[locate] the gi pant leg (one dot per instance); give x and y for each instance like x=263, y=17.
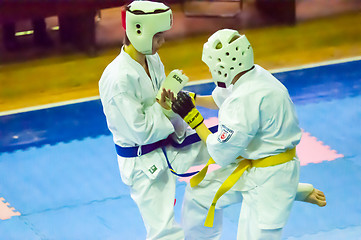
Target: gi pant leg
x=152, y=187
x=266, y=208
x=267, y=195
x=155, y=200
x=197, y=201
x=154, y=195
x=248, y=225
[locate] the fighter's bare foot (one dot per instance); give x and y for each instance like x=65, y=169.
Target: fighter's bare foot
x=316, y=197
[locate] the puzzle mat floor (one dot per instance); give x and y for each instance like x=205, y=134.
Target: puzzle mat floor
x=60, y=179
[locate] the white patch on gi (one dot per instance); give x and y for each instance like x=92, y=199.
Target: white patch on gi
x=225, y=134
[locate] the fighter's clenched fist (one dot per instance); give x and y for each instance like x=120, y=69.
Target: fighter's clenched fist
x=184, y=106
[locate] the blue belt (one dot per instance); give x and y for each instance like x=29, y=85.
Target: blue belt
x=129, y=152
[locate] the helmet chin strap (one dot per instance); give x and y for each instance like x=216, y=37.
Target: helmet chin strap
x=235, y=79
x=239, y=75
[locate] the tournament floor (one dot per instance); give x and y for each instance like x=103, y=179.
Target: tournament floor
x=60, y=179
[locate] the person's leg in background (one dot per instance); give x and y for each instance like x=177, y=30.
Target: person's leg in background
x=41, y=36
x=9, y=38
x=78, y=30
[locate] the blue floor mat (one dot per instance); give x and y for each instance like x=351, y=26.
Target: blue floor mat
x=66, y=183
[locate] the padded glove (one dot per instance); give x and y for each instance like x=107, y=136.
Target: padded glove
x=193, y=95
x=184, y=106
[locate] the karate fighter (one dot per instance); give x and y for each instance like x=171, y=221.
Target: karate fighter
x=255, y=146
x=140, y=123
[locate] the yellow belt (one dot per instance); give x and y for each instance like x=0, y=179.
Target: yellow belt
x=236, y=174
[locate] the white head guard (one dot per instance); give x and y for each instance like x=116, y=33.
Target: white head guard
x=227, y=53
x=144, y=19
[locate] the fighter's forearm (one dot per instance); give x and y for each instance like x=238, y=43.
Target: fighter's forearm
x=203, y=132
x=206, y=101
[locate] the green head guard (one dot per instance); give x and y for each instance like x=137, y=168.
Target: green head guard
x=227, y=53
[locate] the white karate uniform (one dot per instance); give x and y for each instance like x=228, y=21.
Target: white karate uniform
x=256, y=119
x=134, y=118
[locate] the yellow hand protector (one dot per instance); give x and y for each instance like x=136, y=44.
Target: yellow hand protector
x=193, y=96
x=194, y=118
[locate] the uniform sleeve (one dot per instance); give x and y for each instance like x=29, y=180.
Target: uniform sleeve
x=141, y=125
x=180, y=126
x=238, y=124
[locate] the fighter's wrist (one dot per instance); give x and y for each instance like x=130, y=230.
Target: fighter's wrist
x=168, y=113
x=194, y=118
x=193, y=95
x=200, y=123
x=164, y=104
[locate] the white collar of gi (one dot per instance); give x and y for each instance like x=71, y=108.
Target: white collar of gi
x=131, y=59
